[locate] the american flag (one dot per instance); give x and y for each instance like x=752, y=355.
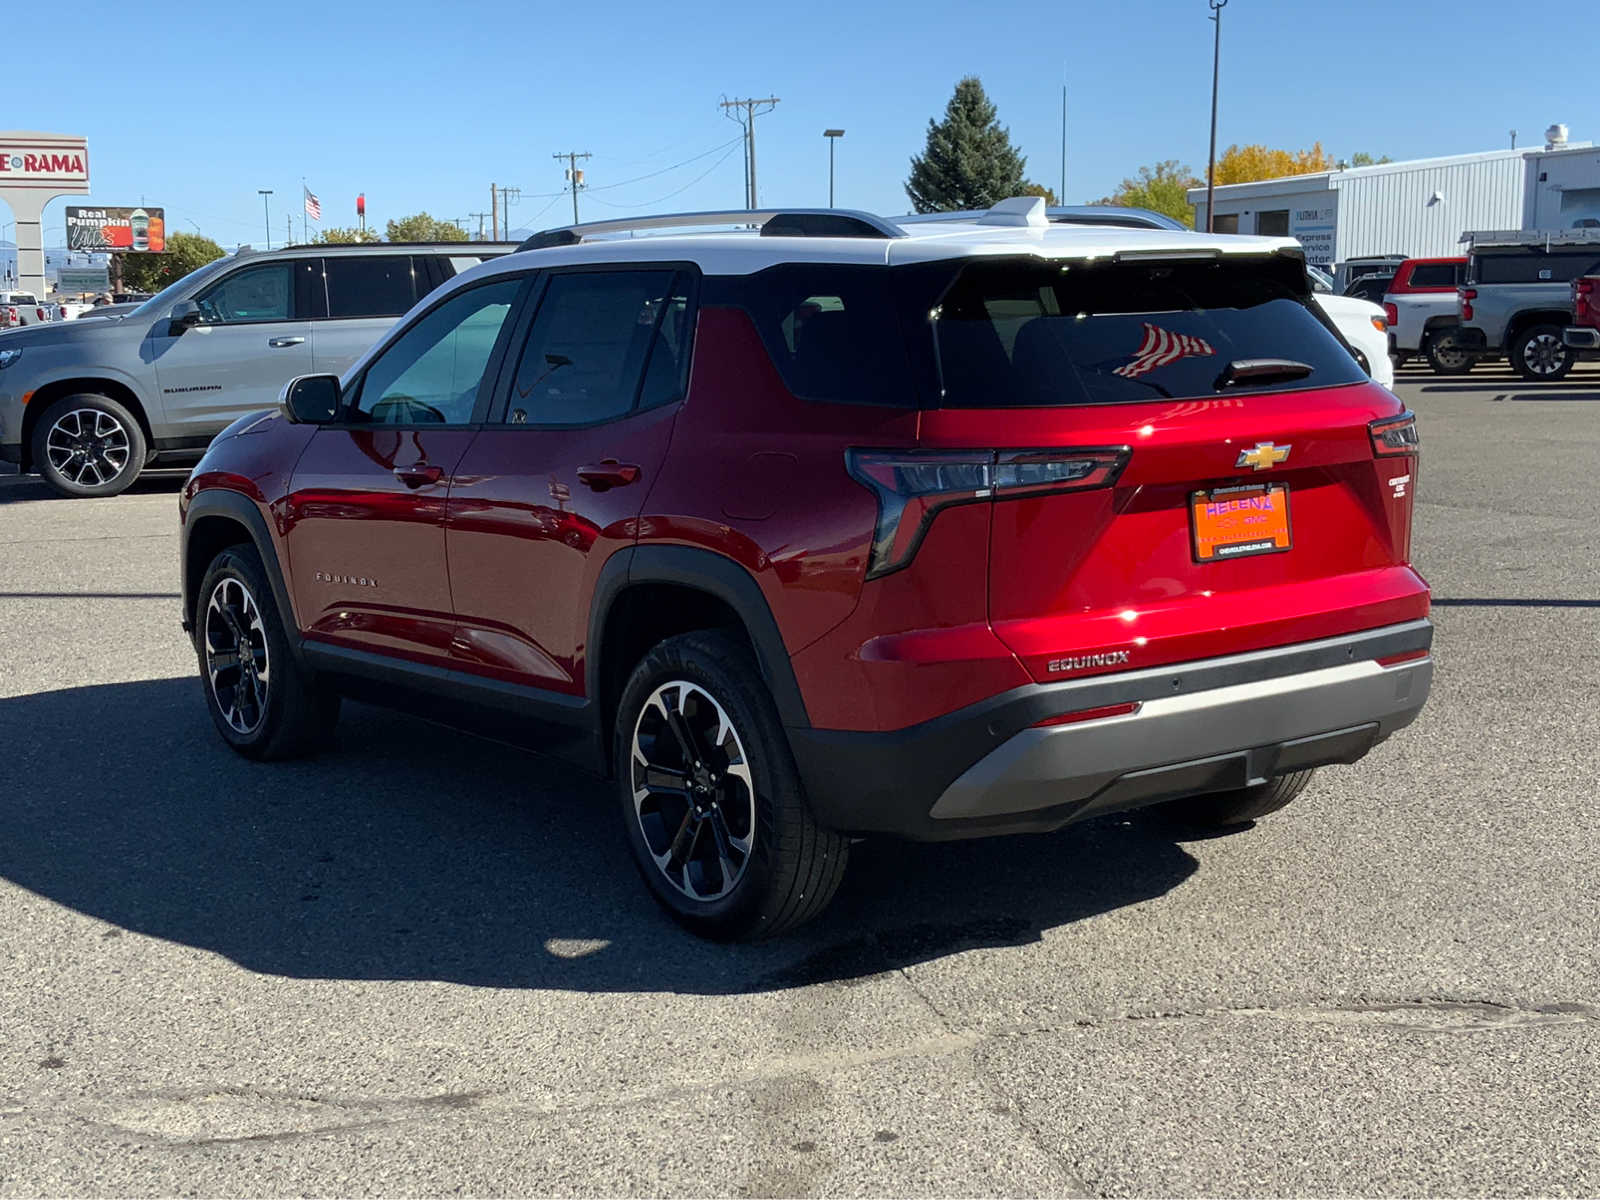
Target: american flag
x=313, y=205
x=1161, y=348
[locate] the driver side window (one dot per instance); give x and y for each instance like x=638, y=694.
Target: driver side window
x=257, y=294
x=430, y=374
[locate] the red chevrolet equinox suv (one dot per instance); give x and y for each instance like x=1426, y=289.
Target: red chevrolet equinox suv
x=832, y=526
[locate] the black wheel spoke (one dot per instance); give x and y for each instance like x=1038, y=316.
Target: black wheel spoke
x=691, y=779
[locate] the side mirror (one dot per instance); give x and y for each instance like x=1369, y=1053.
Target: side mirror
x=185, y=315
x=311, y=399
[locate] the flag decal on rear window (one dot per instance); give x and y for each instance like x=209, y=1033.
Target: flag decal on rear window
x=1160, y=348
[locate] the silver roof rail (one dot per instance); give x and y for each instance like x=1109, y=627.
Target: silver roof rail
x=773, y=222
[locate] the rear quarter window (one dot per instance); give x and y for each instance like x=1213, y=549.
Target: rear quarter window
x=832, y=330
x=1435, y=275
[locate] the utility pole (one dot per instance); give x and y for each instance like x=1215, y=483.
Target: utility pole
x=507, y=197
x=574, y=177
x=288, y=229
x=1061, y=196
x=1211, y=162
x=267, y=211
x=494, y=213
x=480, y=217
x=747, y=121
x=833, y=135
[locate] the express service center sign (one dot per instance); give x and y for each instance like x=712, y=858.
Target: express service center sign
x=126, y=230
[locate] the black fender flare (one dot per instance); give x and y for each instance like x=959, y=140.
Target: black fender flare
x=241, y=510
x=719, y=576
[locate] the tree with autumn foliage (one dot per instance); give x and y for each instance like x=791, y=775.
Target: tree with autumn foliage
x=1246, y=164
x=1163, y=188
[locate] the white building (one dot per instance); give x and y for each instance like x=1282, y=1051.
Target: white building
x=1417, y=209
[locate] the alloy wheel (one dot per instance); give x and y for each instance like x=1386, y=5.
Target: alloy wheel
x=88, y=447
x=1450, y=354
x=1543, y=354
x=693, y=793
x=236, y=655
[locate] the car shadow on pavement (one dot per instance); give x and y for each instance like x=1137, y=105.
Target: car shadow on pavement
x=412, y=851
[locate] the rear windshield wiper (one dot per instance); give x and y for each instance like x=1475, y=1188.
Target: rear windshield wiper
x=1261, y=370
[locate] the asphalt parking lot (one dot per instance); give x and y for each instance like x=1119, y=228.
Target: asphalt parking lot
x=421, y=963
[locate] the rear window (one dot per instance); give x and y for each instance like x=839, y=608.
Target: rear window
x=1562, y=266
x=1435, y=275
x=369, y=285
x=1009, y=334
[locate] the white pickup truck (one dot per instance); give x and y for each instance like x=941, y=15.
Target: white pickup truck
x=1421, y=307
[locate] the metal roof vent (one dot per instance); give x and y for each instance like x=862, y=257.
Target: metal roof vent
x=1555, y=138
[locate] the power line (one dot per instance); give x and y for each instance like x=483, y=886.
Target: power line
x=747, y=121
x=574, y=175
x=662, y=199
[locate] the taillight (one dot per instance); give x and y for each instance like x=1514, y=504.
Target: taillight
x=1091, y=714
x=1392, y=436
x=43, y=315
x=912, y=487
x=1583, y=308
x=1468, y=295
x=1391, y=313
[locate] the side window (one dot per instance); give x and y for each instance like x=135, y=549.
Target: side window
x=585, y=356
x=833, y=331
x=666, y=375
x=254, y=294
x=430, y=374
x=369, y=285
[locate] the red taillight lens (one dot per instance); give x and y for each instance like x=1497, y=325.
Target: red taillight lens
x=1467, y=295
x=1089, y=714
x=1395, y=435
x=1583, y=301
x=1394, y=660
x=912, y=487
x=1391, y=314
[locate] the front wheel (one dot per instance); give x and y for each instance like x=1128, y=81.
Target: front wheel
x=714, y=810
x=1539, y=354
x=88, y=445
x=263, y=703
x=1243, y=805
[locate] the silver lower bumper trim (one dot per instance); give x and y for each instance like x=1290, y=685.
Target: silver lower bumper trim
x=1209, y=740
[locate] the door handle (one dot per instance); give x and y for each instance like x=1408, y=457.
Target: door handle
x=608, y=473
x=418, y=474
x=278, y=343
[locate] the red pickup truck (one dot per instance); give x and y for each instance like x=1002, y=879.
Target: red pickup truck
x=1584, y=332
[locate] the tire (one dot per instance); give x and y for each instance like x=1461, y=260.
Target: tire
x=88, y=445
x=1239, y=807
x=1539, y=354
x=265, y=705
x=729, y=847
x=1447, y=356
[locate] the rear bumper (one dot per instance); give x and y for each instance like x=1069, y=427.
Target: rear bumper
x=1206, y=726
x=1581, y=337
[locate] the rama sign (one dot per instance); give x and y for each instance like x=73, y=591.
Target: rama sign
x=36, y=168
x=42, y=160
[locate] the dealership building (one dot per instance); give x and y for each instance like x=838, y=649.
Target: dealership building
x=1417, y=209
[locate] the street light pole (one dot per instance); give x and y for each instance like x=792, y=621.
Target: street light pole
x=266, y=212
x=1211, y=162
x=833, y=135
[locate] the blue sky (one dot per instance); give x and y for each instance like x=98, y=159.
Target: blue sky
x=421, y=106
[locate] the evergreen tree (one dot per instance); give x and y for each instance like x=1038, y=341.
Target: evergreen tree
x=969, y=161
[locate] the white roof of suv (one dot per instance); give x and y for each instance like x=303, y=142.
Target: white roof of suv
x=1017, y=226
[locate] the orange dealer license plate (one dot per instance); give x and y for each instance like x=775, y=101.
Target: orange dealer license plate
x=1237, y=522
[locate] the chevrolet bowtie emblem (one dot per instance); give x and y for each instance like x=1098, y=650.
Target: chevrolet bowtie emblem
x=1263, y=456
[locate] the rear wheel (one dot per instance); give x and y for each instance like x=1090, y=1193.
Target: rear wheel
x=1244, y=805
x=1447, y=356
x=711, y=801
x=1538, y=353
x=88, y=445
x=263, y=703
